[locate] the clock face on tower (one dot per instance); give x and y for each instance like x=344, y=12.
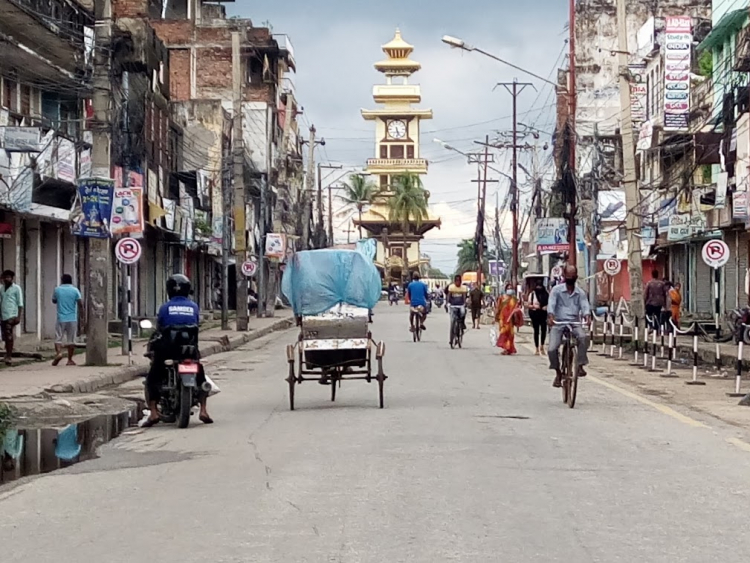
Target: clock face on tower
x=397, y=129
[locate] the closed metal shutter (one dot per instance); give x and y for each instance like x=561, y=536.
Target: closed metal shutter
x=730, y=272
x=743, y=250
x=703, y=290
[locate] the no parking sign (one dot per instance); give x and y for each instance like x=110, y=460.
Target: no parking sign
x=128, y=251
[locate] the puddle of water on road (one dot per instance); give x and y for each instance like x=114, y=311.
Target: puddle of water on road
x=38, y=450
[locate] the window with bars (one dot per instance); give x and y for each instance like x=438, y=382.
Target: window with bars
x=397, y=151
x=10, y=94
x=25, y=100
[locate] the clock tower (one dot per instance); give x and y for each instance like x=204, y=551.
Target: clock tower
x=397, y=135
x=397, y=122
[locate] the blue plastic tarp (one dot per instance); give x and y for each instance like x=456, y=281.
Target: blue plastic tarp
x=317, y=280
x=368, y=247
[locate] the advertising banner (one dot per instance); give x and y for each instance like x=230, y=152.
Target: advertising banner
x=276, y=246
x=93, y=209
x=638, y=93
x=127, y=211
x=552, y=235
x=678, y=41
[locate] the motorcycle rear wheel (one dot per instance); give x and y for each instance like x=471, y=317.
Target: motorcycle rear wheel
x=186, y=404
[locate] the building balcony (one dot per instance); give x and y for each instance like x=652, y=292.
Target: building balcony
x=396, y=165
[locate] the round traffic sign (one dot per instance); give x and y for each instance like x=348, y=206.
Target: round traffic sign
x=557, y=272
x=249, y=268
x=715, y=253
x=612, y=266
x=128, y=250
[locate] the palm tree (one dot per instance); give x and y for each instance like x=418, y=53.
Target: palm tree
x=407, y=204
x=358, y=193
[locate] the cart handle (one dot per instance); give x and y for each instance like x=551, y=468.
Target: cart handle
x=380, y=352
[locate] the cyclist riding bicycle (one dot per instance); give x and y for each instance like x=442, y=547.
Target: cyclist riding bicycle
x=418, y=298
x=567, y=304
x=456, y=294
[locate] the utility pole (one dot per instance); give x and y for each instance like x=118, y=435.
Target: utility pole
x=97, y=302
x=483, y=160
x=320, y=227
x=240, y=226
x=226, y=239
x=594, y=231
x=498, y=250
x=307, y=195
x=573, y=101
x=632, y=203
x=515, y=88
x=330, y=216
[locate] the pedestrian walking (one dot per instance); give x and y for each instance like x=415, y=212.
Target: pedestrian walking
x=655, y=298
x=507, y=317
x=537, y=305
x=675, y=297
x=476, y=300
x=69, y=307
x=11, y=310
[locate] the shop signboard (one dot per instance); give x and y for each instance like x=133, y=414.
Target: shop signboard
x=678, y=42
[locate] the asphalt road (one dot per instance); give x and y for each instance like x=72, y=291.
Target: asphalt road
x=475, y=458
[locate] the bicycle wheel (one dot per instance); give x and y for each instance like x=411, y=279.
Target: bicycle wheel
x=573, y=381
x=460, y=336
x=453, y=334
x=564, y=369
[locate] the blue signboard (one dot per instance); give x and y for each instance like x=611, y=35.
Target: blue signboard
x=94, y=210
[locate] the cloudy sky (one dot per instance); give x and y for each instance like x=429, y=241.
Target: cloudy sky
x=337, y=42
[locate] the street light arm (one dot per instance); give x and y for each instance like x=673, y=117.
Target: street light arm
x=457, y=43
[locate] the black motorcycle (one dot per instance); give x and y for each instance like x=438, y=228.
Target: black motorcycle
x=180, y=390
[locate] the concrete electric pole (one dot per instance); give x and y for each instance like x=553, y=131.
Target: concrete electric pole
x=100, y=259
x=238, y=146
x=515, y=88
x=307, y=193
x=573, y=102
x=632, y=198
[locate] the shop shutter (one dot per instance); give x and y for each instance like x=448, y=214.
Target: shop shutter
x=704, y=287
x=744, y=243
x=729, y=272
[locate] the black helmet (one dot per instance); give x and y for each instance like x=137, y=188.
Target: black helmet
x=179, y=285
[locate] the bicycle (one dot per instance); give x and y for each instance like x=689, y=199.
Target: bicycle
x=569, y=364
x=458, y=314
x=419, y=316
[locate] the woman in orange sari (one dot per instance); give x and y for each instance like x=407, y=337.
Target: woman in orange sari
x=506, y=315
x=675, y=295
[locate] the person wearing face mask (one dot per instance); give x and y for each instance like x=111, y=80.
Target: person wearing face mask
x=567, y=304
x=507, y=318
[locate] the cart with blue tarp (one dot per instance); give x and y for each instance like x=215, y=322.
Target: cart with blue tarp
x=332, y=293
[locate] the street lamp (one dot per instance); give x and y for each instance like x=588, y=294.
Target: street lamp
x=457, y=43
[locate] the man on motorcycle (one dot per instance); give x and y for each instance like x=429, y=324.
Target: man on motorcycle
x=180, y=310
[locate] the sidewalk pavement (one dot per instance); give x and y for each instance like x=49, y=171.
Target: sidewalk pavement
x=33, y=378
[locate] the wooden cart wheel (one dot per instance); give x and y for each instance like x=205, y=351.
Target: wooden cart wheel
x=292, y=380
x=381, y=382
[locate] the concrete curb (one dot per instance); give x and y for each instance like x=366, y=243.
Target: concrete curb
x=225, y=344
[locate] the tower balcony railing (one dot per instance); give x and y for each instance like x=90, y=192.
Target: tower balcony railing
x=386, y=165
